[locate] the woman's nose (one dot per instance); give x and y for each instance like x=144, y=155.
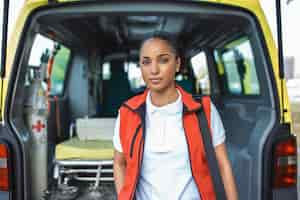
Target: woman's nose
x=154, y=68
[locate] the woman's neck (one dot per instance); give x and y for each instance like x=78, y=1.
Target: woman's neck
x=165, y=97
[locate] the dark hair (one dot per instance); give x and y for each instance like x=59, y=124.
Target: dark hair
x=170, y=39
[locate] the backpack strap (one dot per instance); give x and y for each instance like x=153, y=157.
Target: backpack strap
x=211, y=154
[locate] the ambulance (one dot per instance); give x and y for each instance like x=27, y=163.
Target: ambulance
x=69, y=64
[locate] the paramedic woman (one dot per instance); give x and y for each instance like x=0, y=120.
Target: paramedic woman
x=159, y=152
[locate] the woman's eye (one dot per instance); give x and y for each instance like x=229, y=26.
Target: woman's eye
x=146, y=62
x=164, y=60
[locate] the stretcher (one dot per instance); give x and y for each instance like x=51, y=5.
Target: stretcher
x=88, y=157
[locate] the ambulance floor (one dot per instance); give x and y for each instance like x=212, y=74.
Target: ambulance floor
x=84, y=150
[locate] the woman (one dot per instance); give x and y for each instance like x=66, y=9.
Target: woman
x=159, y=151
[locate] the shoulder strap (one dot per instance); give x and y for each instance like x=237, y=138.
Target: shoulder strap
x=211, y=155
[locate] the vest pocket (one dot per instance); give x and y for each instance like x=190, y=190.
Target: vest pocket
x=134, y=138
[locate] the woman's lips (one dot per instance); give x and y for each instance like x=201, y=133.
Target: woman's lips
x=155, y=80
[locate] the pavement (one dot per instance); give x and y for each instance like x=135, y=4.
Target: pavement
x=293, y=86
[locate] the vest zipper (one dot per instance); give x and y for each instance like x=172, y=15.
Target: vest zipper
x=140, y=158
x=141, y=147
x=134, y=138
x=186, y=140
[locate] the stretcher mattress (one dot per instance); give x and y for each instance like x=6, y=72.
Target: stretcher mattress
x=85, y=149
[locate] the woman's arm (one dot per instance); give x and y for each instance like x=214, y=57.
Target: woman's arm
x=119, y=170
x=226, y=172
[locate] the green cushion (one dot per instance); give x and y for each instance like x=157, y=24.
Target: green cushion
x=85, y=149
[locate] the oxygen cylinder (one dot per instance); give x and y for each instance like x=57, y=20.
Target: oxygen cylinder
x=36, y=119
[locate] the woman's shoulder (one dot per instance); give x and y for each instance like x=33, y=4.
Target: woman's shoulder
x=135, y=101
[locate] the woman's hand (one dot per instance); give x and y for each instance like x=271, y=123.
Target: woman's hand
x=119, y=170
x=226, y=172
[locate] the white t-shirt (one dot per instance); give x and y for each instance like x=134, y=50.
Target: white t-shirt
x=166, y=172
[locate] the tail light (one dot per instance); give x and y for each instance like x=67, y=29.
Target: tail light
x=285, y=163
x=4, y=173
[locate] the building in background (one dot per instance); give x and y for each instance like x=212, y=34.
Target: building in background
x=291, y=39
x=289, y=67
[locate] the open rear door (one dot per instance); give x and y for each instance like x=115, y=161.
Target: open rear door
x=11, y=168
x=4, y=5
x=4, y=149
x=285, y=140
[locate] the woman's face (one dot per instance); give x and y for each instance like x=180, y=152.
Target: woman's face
x=158, y=64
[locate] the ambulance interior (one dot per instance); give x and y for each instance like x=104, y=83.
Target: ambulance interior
x=80, y=63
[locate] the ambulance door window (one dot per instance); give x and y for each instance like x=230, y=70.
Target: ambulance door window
x=132, y=72
x=200, y=71
x=38, y=60
x=106, y=73
x=50, y=59
x=239, y=68
x=121, y=80
x=135, y=78
x=61, y=61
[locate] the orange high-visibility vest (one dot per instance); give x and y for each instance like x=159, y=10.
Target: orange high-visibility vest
x=132, y=136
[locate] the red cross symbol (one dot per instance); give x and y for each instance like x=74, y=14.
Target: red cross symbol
x=39, y=126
